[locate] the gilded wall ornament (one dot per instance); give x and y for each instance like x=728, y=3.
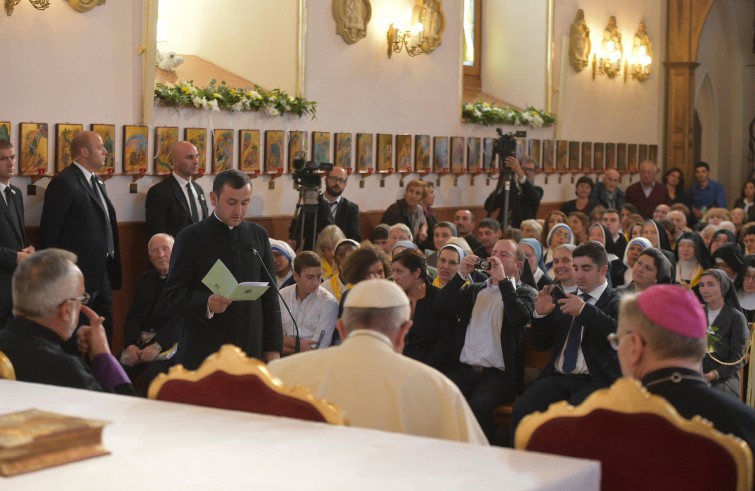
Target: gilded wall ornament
x=579, y=43
x=85, y=5
x=430, y=14
x=352, y=17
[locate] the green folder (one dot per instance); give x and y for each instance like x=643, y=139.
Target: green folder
x=220, y=280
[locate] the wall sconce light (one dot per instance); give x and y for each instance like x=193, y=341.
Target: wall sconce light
x=638, y=65
x=400, y=36
x=37, y=4
x=609, y=59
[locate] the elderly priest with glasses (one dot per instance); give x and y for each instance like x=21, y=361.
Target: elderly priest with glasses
x=48, y=295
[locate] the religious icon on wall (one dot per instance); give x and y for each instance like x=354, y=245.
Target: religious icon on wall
x=533, y=150
x=384, y=153
x=64, y=133
x=404, y=153
x=632, y=157
x=274, y=163
x=430, y=14
x=548, y=162
x=33, y=154
x=198, y=138
x=107, y=133
x=598, y=162
x=352, y=17
x=343, y=150
x=297, y=147
x=587, y=156
x=642, y=153
x=579, y=43
x=135, y=149
x=321, y=147
x=574, y=156
x=621, y=156
x=222, y=150
x=422, y=153
x=5, y=130
x=249, y=151
x=653, y=153
x=488, y=156
x=457, y=154
x=610, y=155
x=440, y=154
x=562, y=160
x=364, y=152
x=165, y=137
x=474, y=155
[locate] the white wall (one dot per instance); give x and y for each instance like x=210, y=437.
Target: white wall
x=256, y=41
x=514, y=51
x=84, y=68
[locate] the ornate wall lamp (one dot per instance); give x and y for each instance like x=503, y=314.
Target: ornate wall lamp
x=400, y=36
x=639, y=63
x=608, y=60
x=37, y=4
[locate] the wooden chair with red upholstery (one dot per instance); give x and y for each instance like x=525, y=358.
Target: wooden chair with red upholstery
x=6, y=368
x=641, y=441
x=229, y=379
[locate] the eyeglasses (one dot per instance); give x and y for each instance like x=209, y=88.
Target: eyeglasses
x=529, y=169
x=749, y=277
x=84, y=299
x=613, y=340
x=336, y=179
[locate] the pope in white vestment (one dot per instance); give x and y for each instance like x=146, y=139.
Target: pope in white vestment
x=374, y=384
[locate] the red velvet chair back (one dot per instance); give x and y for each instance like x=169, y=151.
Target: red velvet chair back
x=230, y=380
x=641, y=442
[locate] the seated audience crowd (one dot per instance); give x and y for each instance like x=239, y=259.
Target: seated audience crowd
x=421, y=328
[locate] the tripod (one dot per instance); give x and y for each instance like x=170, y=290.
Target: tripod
x=306, y=218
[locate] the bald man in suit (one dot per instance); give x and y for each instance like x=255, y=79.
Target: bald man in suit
x=78, y=216
x=177, y=201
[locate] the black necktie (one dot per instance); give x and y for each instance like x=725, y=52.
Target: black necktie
x=571, y=352
x=192, y=204
x=108, y=229
x=12, y=209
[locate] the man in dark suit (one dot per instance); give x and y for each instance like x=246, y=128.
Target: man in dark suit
x=576, y=328
x=176, y=202
x=333, y=208
x=211, y=320
x=661, y=340
x=14, y=246
x=78, y=216
x=524, y=196
x=152, y=331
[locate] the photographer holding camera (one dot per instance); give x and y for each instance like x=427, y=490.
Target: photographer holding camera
x=329, y=208
x=524, y=197
x=487, y=362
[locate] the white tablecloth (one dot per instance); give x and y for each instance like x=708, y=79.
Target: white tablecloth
x=159, y=445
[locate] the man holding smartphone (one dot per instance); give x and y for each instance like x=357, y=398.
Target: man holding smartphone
x=576, y=328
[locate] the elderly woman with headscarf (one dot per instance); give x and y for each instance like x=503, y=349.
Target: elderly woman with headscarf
x=721, y=365
x=651, y=268
x=693, y=260
x=721, y=237
x=729, y=259
x=560, y=234
x=533, y=251
x=600, y=233
x=655, y=232
x=632, y=253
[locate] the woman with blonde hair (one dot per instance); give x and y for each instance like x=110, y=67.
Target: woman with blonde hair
x=325, y=247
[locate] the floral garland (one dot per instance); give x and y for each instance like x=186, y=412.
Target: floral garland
x=487, y=114
x=216, y=97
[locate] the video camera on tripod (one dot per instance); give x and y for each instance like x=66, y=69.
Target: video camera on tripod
x=307, y=178
x=505, y=146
